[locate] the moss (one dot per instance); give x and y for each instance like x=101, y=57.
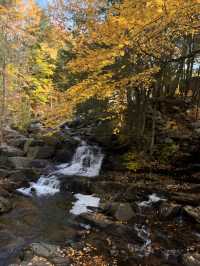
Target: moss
x=166, y=152
x=131, y=161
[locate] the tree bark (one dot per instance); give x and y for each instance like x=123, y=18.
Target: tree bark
x=3, y=101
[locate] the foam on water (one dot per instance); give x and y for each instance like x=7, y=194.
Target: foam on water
x=86, y=161
x=83, y=202
x=46, y=185
x=153, y=198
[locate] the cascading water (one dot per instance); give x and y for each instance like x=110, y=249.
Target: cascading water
x=86, y=161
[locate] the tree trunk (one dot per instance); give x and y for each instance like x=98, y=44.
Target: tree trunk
x=3, y=101
x=153, y=130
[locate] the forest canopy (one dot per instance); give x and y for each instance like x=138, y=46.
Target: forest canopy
x=127, y=55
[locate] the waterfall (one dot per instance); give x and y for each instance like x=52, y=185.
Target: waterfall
x=86, y=161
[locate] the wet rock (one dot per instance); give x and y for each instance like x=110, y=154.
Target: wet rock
x=77, y=184
x=31, y=142
x=193, y=212
x=5, y=205
x=64, y=155
x=18, y=141
x=169, y=210
x=14, y=138
x=9, y=151
x=191, y=259
x=44, y=249
x=96, y=219
x=65, y=149
x=120, y=211
x=41, y=152
x=24, y=162
x=40, y=148
x=26, y=174
x=19, y=162
x=124, y=212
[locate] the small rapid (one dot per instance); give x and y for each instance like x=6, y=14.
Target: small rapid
x=86, y=161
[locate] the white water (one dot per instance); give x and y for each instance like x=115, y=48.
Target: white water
x=153, y=198
x=83, y=202
x=44, y=186
x=144, y=234
x=86, y=161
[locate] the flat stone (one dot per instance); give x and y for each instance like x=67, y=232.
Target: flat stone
x=44, y=249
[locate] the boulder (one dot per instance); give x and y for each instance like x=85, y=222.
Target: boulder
x=32, y=143
x=24, y=162
x=9, y=151
x=191, y=259
x=96, y=219
x=41, y=152
x=78, y=184
x=28, y=173
x=18, y=141
x=5, y=205
x=64, y=155
x=124, y=212
x=19, y=162
x=66, y=149
x=44, y=249
x=193, y=212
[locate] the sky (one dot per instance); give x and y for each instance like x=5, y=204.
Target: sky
x=42, y=3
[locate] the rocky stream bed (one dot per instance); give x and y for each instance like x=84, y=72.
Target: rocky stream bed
x=69, y=214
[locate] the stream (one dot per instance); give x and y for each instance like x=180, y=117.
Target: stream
x=45, y=213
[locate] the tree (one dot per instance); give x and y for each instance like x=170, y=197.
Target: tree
x=18, y=22
x=131, y=55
